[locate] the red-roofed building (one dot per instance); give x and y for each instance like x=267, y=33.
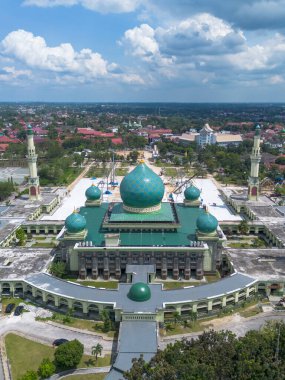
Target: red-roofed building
x=8, y=140
x=92, y=133
x=117, y=141
x=3, y=147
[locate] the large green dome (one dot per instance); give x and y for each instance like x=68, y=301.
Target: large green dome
x=142, y=188
x=192, y=193
x=139, y=292
x=93, y=193
x=206, y=223
x=75, y=223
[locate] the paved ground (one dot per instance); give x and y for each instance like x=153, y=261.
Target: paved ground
x=237, y=324
x=46, y=333
x=80, y=371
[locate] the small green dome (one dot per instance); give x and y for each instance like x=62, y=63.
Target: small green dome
x=93, y=193
x=139, y=292
x=75, y=223
x=142, y=188
x=192, y=193
x=206, y=223
x=257, y=130
x=30, y=130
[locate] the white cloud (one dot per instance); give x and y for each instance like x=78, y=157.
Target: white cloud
x=102, y=6
x=61, y=63
x=10, y=74
x=34, y=52
x=266, y=56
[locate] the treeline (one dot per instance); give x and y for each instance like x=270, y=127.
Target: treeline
x=259, y=355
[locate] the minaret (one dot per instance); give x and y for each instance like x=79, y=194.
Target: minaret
x=34, y=183
x=255, y=157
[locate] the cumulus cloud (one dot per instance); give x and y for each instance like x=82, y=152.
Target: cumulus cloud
x=200, y=34
x=246, y=14
x=266, y=56
x=67, y=64
x=185, y=42
x=34, y=52
x=102, y=6
x=10, y=74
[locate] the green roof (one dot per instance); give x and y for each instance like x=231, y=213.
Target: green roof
x=93, y=193
x=187, y=231
x=75, y=222
x=139, y=292
x=142, y=188
x=163, y=215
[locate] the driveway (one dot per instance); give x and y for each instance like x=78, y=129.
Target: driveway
x=46, y=333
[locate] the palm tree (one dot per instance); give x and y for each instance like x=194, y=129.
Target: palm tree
x=97, y=350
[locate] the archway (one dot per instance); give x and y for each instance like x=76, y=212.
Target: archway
x=93, y=311
x=6, y=289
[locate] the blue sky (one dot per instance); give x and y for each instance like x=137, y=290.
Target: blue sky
x=142, y=50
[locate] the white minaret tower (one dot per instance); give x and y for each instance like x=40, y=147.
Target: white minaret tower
x=34, y=183
x=255, y=157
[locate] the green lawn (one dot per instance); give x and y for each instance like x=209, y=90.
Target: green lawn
x=97, y=376
x=97, y=172
x=82, y=324
x=121, y=171
x=167, y=285
x=96, y=284
x=43, y=245
x=16, y=301
x=25, y=354
x=171, y=172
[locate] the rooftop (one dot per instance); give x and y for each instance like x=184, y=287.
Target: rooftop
x=119, y=298
x=16, y=263
x=187, y=217
x=263, y=264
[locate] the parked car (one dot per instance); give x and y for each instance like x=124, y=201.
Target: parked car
x=9, y=308
x=18, y=310
x=60, y=341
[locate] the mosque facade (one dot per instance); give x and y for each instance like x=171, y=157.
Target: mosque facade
x=181, y=240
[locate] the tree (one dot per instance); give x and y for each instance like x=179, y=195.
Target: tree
x=105, y=317
x=69, y=354
x=6, y=189
x=58, y=269
x=21, y=236
x=29, y=375
x=243, y=227
x=133, y=156
x=97, y=350
x=46, y=368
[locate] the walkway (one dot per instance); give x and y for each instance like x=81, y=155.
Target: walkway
x=235, y=323
x=79, y=371
x=81, y=175
x=42, y=332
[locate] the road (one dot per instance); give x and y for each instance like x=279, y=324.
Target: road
x=237, y=324
x=46, y=333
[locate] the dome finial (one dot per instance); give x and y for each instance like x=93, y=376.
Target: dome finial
x=142, y=161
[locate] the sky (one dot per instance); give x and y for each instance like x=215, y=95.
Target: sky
x=142, y=50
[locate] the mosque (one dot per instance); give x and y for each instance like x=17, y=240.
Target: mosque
x=137, y=239
x=182, y=240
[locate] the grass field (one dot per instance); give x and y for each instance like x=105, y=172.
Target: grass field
x=121, y=171
x=6, y=301
x=82, y=324
x=168, y=285
x=25, y=354
x=96, y=284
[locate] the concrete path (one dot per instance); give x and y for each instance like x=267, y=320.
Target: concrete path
x=235, y=323
x=46, y=333
x=80, y=371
